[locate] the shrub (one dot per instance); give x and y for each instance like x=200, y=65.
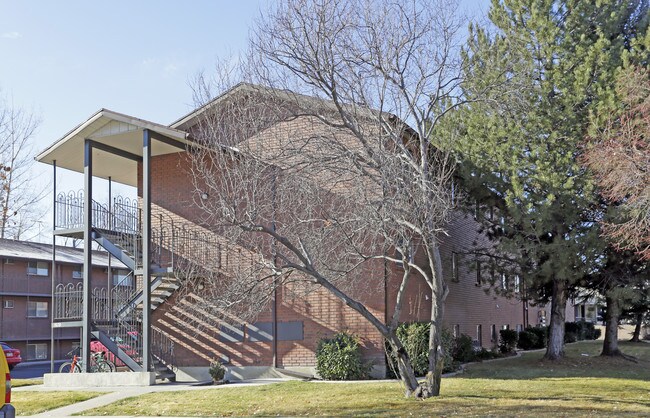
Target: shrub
x=448, y=347
x=581, y=330
x=339, y=358
x=216, y=370
x=573, y=328
x=464, y=349
x=415, y=338
x=527, y=340
x=484, y=354
x=598, y=332
x=507, y=340
x=570, y=337
x=542, y=335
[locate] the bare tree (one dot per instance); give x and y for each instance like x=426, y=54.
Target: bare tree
x=337, y=164
x=620, y=161
x=19, y=196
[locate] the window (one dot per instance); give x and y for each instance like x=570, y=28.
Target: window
x=493, y=333
x=479, y=281
x=37, y=351
x=479, y=335
x=78, y=272
x=37, y=268
x=9, y=304
x=505, y=326
x=519, y=327
x=517, y=283
x=456, y=330
x=454, y=267
x=504, y=281
x=37, y=309
x=9, y=261
x=122, y=278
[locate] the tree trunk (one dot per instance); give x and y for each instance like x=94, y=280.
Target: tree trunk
x=436, y=354
x=636, y=337
x=610, y=345
x=404, y=366
x=555, y=349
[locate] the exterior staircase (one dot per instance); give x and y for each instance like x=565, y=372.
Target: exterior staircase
x=117, y=314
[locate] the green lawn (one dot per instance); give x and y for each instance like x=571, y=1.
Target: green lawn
x=16, y=383
x=577, y=386
x=30, y=403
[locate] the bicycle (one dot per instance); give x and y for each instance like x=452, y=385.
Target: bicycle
x=98, y=363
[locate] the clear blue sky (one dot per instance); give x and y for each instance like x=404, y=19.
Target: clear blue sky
x=67, y=59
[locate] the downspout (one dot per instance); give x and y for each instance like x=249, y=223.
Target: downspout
x=274, y=306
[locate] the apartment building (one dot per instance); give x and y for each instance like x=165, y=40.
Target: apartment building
x=157, y=327
x=26, y=294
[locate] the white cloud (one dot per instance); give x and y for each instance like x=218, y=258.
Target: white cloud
x=11, y=35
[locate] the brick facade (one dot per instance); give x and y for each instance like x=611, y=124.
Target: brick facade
x=469, y=309
x=19, y=288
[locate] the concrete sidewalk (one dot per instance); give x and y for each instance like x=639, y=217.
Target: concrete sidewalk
x=115, y=394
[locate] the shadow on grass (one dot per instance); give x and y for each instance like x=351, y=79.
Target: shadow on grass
x=581, y=360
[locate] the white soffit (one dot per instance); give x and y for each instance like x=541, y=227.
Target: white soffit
x=118, y=131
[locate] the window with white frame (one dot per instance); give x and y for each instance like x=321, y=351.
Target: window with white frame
x=8, y=304
x=479, y=335
x=78, y=272
x=38, y=268
x=454, y=267
x=122, y=278
x=517, y=284
x=37, y=309
x=37, y=351
x=457, y=330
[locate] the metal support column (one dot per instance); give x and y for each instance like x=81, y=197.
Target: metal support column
x=146, y=250
x=88, y=197
x=53, y=268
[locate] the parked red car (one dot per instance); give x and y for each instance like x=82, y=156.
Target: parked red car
x=12, y=354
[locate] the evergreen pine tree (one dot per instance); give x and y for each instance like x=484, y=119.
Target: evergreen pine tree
x=553, y=64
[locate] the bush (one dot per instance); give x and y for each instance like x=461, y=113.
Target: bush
x=527, y=340
x=581, y=330
x=216, y=370
x=570, y=337
x=507, y=341
x=448, y=347
x=415, y=338
x=484, y=354
x=339, y=358
x=542, y=336
x=464, y=349
x=598, y=332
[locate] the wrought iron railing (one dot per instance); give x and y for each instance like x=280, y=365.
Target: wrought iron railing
x=68, y=301
x=162, y=347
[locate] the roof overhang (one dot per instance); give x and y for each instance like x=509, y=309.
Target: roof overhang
x=116, y=131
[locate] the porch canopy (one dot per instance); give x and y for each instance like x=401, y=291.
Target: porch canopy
x=117, y=147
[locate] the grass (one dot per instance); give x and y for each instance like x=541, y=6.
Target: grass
x=30, y=403
x=16, y=383
x=577, y=386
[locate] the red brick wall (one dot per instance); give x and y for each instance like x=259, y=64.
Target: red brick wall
x=467, y=305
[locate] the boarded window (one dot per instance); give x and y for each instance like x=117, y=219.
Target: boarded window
x=287, y=331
